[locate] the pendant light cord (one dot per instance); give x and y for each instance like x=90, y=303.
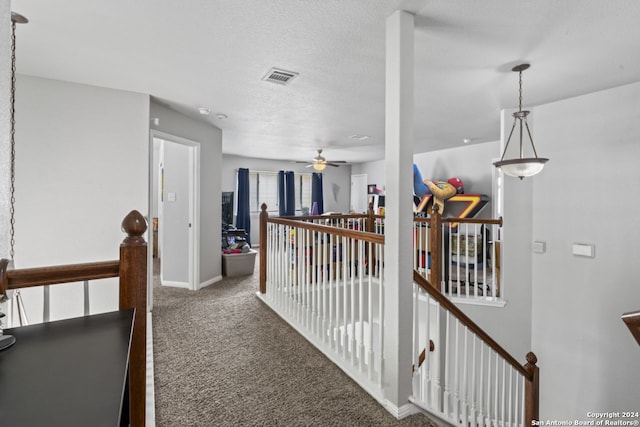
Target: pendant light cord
x=520, y=84
x=12, y=188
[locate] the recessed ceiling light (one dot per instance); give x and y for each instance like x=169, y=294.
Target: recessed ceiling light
x=466, y=140
x=204, y=110
x=221, y=116
x=359, y=137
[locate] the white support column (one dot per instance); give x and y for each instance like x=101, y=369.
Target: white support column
x=399, y=215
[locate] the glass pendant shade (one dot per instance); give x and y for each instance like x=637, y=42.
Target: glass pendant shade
x=521, y=168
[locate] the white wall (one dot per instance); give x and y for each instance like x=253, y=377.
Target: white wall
x=472, y=164
x=587, y=193
x=81, y=166
x=5, y=140
x=210, y=139
x=336, y=183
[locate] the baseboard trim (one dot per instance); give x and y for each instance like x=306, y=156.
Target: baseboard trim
x=210, y=282
x=402, y=411
x=184, y=285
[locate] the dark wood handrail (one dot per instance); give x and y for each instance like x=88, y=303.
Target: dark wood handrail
x=632, y=320
x=342, y=232
x=453, y=309
x=29, y=277
x=131, y=269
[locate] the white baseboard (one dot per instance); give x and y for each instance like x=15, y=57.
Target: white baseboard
x=175, y=284
x=402, y=411
x=210, y=282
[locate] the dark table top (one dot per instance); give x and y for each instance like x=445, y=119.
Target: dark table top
x=66, y=373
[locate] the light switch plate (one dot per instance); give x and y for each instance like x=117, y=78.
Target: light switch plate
x=171, y=197
x=584, y=249
x=539, y=247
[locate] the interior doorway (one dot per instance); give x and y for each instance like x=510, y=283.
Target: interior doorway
x=359, y=193
x=174, y=188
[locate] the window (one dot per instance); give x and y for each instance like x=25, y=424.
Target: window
x=303, y=192
x=263, y=188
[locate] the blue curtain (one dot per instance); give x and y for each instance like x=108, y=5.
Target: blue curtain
x=243, y=218
x=316, y=192
x=290, y=193
x=282, y=202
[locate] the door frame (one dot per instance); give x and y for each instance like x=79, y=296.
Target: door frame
x=194, y=207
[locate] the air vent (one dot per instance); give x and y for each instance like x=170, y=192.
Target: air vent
x=280, y=77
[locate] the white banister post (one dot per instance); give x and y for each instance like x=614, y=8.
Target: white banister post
x=398, y=264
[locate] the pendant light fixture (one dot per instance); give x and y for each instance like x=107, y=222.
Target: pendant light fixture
x=521, y=166
x=17, y=304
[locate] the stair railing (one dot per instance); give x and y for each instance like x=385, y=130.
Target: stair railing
x=131, y=269
x=469, y=378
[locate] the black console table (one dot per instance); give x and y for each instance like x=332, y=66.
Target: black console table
x=67, y=373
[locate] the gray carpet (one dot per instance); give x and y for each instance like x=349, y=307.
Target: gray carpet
x=222, y=358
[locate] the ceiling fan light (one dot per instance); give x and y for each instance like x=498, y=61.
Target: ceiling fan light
x=319, y=166
x=521, y=168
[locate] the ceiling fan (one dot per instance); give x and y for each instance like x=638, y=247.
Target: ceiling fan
x=319, y=162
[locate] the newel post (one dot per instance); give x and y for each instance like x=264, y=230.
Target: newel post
x=532, y=390
x=371, y=219
x=133, y=293
x=263, y=248
x=435, y=246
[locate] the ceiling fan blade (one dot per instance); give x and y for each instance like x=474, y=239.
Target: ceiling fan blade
x=331, y=164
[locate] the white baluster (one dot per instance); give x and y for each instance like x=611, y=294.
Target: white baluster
x=331, y=272
x=370, y=359
x=463, y=387
x=85, y=289
x=504, y=389
x=480, y=386
x=352, y=317
x=361, y=271
x=474, y=362
x=379, y=351
x=345, y=271
x=447, y=365
x=437, y=389
x=510, y=417
x=496, y=391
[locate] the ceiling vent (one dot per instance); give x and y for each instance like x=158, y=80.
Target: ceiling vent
x=281, y=77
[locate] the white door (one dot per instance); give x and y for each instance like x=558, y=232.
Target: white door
x=359, y=193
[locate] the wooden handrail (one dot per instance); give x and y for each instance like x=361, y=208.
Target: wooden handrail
x=132, y=271
x=30, y=277
x=632, y=320
x=342, y=232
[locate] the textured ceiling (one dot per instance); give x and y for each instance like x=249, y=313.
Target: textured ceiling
x=214, y=53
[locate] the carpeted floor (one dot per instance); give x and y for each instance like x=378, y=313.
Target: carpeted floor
x=222, y=358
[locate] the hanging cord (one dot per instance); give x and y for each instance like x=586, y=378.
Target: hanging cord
x=520, y=97
x=12, y=188
x=17, y=300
